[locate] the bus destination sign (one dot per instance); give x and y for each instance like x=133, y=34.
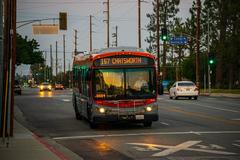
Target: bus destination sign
x=123, y=61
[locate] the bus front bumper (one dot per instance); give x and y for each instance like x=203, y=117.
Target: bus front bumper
x=129, y=118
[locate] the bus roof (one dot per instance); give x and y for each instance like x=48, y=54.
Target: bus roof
x=105, y=52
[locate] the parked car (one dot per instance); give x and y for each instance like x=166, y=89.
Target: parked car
x=59, y=86
x=45, y=86
x=183, y=89
x=17, y=87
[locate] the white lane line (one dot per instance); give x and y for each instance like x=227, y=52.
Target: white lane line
x=236, y=119
x=66, y=100
x=143, y=134
x=183, y=146
x=211, y=107
x=166, y=124
x=176, y=148
x=237, y=145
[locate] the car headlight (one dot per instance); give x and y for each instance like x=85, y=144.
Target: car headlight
x=149, y=109
x=49, y=86
x=101, y=110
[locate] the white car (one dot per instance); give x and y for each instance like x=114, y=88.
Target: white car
x=45, y=86
x=184, y=89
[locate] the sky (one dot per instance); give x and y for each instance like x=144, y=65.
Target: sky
x=123, y=13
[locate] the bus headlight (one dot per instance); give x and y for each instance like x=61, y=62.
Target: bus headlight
x=101, y=110
x=149, y=109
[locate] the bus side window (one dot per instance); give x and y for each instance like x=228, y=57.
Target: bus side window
x=79, y=81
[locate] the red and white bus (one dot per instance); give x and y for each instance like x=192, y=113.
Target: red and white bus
x=115, y=84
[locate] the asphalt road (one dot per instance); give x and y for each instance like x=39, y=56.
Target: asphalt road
x=207, y=128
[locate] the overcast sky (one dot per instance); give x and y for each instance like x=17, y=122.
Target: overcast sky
x=123, y=13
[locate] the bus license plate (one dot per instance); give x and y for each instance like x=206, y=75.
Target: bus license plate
x=139, y=117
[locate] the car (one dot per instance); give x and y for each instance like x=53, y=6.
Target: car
x=184, y=89
x=17, y=87
x=45, y=86
x=59, y=86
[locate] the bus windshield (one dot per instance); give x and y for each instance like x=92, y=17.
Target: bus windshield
x=134, y=83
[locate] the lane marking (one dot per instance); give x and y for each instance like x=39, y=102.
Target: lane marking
x=236, y=119
x=66, y=100
x=211, y=107
x=237, y=145
x=176, y=148
x=144, y=134
x=183, y=146
x=199, y=115
x=211, y=146
x=166, y=124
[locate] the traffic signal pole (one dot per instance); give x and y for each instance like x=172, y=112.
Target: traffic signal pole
x=208, y=48
x=158, y=44
x=198, y=44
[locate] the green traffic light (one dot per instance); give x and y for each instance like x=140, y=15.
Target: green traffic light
x=164, y=37
x=211, y=61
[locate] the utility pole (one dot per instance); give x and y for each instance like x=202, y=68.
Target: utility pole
x=51, y=62
x=164, y=42
x=8, y=59
x=139, y=24
x=64, y=56
x=56, y=61
x=115, y=37
x=75, y=42
x=158, y=42
x=2, y=78
x=45, y=67
x=107, y=21
x=90, y=25
x=198, y=44
x=13, y=54
x=69, y=75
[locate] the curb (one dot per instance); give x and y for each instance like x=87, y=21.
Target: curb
x=59, y=154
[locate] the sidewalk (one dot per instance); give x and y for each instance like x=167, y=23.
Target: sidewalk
x=25, y=145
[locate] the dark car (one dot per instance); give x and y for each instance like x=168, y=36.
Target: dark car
x=59, y=86
x=17, y=87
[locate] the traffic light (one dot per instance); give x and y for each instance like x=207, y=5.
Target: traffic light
x=211, y=58
x=164, y=35
x=63, y=21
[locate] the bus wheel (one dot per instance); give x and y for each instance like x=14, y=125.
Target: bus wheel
x=147, y=124
x=77, y=114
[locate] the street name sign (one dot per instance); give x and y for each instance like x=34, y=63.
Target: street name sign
x=178, y=40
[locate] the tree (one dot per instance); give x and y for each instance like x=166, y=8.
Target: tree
x=27, y=51
x=224, y=39
x=168, y=9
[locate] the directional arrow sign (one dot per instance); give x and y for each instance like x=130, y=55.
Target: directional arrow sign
x=178, y=40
